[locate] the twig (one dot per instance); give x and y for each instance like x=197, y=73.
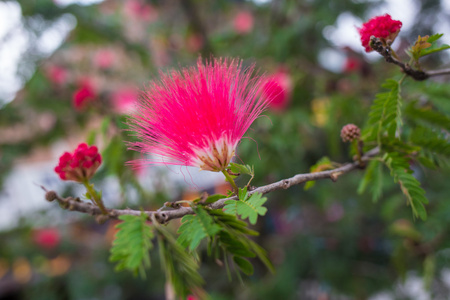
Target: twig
x=75, y=204
x=439, y=72
x=385, y=51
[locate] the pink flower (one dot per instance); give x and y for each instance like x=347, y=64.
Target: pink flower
x=124, y=100
x=47, y=238
x=278, y=88
x=57, y=75
x=80, y=165
x=382, y=27
x=243, y=22
x=83, y=95
x=197, y=116
x=352, y=64
x=137, y=9
x=104, y=58
x=194, y=43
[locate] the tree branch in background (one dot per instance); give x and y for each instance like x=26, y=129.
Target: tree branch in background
x=163, y=216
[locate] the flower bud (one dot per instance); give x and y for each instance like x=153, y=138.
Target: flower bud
x=80, y=165
x=350, y=132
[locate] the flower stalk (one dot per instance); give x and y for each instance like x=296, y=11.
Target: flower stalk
x=231, y=181
x=93, y=195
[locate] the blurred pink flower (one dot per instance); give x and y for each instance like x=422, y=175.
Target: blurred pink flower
x=197, y=116
x=47, y=238
x=194, y=43
x=140, y=10
x=124, y=100
x=57, y=75
x=243, y=22
x=352, y=64
x=84, y=94
x=104, y=58
x=278, y=88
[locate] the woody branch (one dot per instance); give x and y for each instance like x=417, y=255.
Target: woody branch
x=163, y=216
x=418, y=75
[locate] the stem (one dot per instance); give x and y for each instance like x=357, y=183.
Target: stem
x=92, y=193
x=358, y=144
x=231, y=181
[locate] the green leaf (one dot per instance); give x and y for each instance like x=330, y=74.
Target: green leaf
x=214, y=198
x=247, y=207
x=180, y=267
x=322, y=165
x=242, y=169
x=132, y=244
x=373, y=178
x=385, y=113
x=428, y=116
x=232, y=238
x=244, y=265
x=195, y=228
x=435, y=37
x=410, y=186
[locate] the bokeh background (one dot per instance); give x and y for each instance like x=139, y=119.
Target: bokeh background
x=70, y=71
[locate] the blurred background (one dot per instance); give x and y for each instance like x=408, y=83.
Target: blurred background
x=70, y=71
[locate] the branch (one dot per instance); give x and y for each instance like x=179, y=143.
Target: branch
x=418, y=75
x=439, y=72
x=75, y=204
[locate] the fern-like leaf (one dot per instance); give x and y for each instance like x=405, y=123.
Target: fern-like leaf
x=180, y=267
x=428, y=116
x=195, y=228
x=132, y=244
x=410, y=186
x=373, y=178
x=247, y=207
x=385, y=112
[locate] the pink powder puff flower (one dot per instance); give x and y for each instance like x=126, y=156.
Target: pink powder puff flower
x=83, y=95
x=382, y=27
x=47, y=238
x=278, y=88
x=197, y=116
x=80, y=165
x=243, y=22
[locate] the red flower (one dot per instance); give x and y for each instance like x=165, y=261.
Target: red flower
x=47, y=238
x=83, y=95
x=382, y=27
x=79, y=166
